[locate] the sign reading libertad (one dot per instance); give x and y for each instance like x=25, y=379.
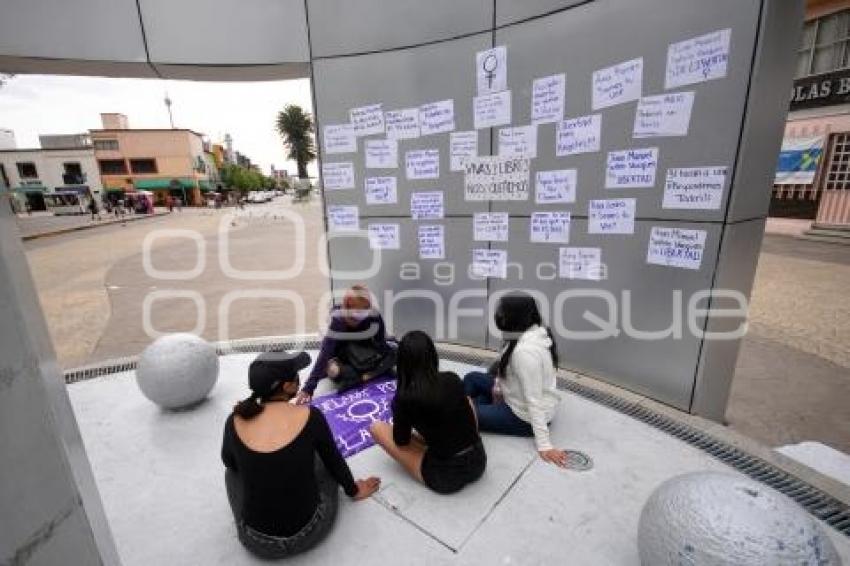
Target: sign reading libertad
x=496, y=178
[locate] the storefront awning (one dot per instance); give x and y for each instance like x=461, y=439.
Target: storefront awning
x=162, y=184
x=29, y=189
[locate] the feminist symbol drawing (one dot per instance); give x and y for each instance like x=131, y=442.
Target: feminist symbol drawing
x=490, y=64
x=492, y=70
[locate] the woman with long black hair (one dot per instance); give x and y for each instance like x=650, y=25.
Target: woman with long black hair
x=445, y=451
x=283, y=467
x=518, y=395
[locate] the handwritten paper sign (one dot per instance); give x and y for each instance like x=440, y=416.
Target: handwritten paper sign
x=437, y=117
x=427, y=205
x=553, y=187
x=432, y=242
x=496, y=178
x=551, y=227
x=339, y=175
x=381, y=154
x=384, y=237
x=663, y=115
x=490, y=226
x=631, y=168
x=694, y=187
x=381, y=190
x=676, y=247
x=402, y=124
x=490, y=263
x=490, y=110
x=343, y=218
x=611, y=216
x=340, y=138
x=547, y=99
x=617, y=84
x=462, y=146
x=491, y=68
x=422, y=164
x=578, y=135
x=580, y=263
x=367, y=120
x=699, y=59
x=519, y=141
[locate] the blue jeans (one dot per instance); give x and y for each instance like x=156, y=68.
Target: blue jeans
x=493, y=416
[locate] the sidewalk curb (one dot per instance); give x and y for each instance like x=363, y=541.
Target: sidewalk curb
x=91, y=226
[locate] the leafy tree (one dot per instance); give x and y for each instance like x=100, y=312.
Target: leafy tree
x=296, y=128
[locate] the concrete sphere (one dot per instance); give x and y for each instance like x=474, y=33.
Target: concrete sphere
x=177, y=370
x=719, y=519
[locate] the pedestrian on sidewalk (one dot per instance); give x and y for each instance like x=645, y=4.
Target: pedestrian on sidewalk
x=95, y=211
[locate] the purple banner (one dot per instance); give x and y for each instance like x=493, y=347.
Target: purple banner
x=351, y=413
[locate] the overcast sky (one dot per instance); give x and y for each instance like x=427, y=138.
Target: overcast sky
x=41, y=104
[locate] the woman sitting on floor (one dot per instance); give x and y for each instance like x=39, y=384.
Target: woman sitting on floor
x=282, y=498
x=448, y=455
x=518, y=395
x=354, y=349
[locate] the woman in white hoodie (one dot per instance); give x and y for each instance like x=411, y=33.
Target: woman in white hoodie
x=518, y=395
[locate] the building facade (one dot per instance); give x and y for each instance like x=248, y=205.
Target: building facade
x=813, y=174
x=163, y=161
x=31, y=173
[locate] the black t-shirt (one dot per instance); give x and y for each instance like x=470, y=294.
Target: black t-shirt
x=446, y=422
x=281, y=492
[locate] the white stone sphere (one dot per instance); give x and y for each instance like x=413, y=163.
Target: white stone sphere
x=177, y=370
x=714, y=518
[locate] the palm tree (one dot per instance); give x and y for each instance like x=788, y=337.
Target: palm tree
x=296, y=128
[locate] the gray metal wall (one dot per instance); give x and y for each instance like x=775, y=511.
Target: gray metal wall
x=401, y=59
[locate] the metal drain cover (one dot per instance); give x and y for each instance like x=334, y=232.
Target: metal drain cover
x=578, y=461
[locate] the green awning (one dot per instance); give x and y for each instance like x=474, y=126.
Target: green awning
x=30, y=189
x=152, y=184
x=205, y=185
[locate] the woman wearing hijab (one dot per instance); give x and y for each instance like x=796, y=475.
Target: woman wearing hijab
x=283, y=468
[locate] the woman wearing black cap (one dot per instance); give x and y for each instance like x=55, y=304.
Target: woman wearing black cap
x=282, y=498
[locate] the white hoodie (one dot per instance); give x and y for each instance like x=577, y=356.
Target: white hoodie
x=529, y=387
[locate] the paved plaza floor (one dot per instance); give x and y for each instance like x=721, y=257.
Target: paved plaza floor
x=793, y=375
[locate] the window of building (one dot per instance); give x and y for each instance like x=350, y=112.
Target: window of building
x=112, y=166
x=106, y=145
x=27, y=170
x=73, y=168
x=824, y=47
x=838, y=169
x=143, y=166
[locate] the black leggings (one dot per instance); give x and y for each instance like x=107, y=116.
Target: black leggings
x=274, y=547
x=349, y=377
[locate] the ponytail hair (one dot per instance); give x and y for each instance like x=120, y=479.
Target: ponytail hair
x=249, y=408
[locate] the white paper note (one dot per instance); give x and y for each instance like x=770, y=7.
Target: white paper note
x=437, y=117
x=490, y=226
x=611, y=216
x=694, y=187
x=422, y=164
x=462, y=146
x=340, y=138
x=338, y=175
x=367, y=120
x=496, y=178
x=490, y=263
x=698, y=59
x=402, y=124
x=548, y=96
x=519, y=141
x=491, y=68
x=617, y=84
x=551, y=187
x=664, y=115
x=676, y=247
x=631, y=168
x=381, y=190
x=490, y=110
x=381, y=154
x=426, y=205
x=432, y=242
x=578, y=135
x=580, y=263
x=552, y=227
x=343, y=218
x=384, y=237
